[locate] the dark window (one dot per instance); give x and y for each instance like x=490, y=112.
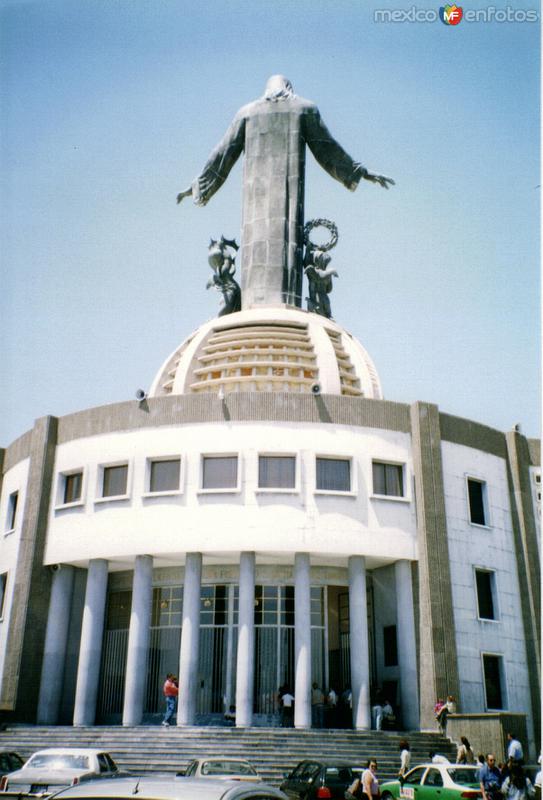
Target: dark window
x=485, y=600
x=493, y=681
x=164, y=476
x=388, y=479
x=104, y=766
x=333, y=475
x=415, y=776
x=390, y=646
x=3, y=583
x=167, y=607
x=72, y=487
x=214, y=605
x=433, y=778
x=476, y=490
x=119, y=607
x=220, y=472
x=12, y=510
x=115, y=481
x=276, y=472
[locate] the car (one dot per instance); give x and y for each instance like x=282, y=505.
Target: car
x=435, y=782
x=169, y=788
x=9, y=762
x=319, y=779
x=236, y=769
x=54, y=768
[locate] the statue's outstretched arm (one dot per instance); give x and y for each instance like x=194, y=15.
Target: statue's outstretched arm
x=218, y=165
x=382, y=180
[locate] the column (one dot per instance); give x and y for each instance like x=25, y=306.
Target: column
x=56, y=641
x=190, y=640
x=407, y=651
x=90, y=649
x=358, y=639
x=302, y=641
x=246, y=641
x=229, y=679
x=138, y=641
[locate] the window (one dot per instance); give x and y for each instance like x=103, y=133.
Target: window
x=415, y=776
x=388, y=479
x=333, y=475
x=220, y=472
x=115, y=481
x=73, y=485
x=164, y=475
x=477, y=501
x=390, y=646
x=484, y=580
x=12, y=511
x=433, y=778
x=3, y=583
x=276, y=472
x=493, y=676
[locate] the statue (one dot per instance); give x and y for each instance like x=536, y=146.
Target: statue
x=222, y=262
x=273, y=132
x=319, y=274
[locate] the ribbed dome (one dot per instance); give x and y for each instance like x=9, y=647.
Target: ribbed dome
x=269, y=349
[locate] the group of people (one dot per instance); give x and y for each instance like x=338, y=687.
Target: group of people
x=382, y=714
x=328, y=710
x=442, y=709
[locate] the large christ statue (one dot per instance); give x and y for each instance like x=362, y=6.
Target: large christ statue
x=273, y=132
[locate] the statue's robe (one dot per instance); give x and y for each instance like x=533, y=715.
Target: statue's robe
x=273, y=135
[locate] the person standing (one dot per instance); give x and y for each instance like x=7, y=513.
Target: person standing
x=287, y=709
x=490, y=779
x=170, y=691
x=317, y=706
x=405, y=759
x=370, y=782
x=464, y=754
x=331, y=705
x=514, y=748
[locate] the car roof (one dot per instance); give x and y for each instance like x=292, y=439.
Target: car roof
x=69, y=751
x=221, y=758
x=167, y=789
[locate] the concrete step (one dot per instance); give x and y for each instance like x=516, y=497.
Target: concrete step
x=273, y=751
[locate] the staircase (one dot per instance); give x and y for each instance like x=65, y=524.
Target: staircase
x=272, y=751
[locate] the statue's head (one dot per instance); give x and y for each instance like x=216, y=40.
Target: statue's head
x=278, y=88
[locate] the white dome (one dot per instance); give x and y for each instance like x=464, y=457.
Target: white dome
x=269, y=349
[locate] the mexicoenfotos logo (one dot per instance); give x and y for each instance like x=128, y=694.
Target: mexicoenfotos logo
x=450, y=15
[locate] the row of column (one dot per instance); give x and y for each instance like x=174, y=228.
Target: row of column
x=88, y=672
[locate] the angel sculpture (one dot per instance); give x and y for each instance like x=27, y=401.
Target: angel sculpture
x=316, y=268
x=221, y=258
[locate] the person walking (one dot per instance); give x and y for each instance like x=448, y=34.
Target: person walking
x=517, y=786
x=464, y=754
x=405, y=759
x=490, y=779
x=170, y=691
x=287, y=709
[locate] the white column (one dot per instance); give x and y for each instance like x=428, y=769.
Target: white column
x=358, y=639
x=302, y=641
x=407, y=655
x=229, y=679
x=90, y=649
x=190, y=640
x=56, y=641
x=246, y=641
x=138, y=641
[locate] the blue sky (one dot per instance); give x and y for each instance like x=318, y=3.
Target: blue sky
x=110, y=107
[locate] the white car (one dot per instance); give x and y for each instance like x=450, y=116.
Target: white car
x=47, y=771
x=232, y=769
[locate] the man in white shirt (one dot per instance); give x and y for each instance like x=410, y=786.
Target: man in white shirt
x=514, y=748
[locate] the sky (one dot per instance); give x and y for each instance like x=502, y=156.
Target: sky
x=109, y=108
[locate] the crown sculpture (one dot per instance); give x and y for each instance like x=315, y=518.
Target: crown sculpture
x=272, y=132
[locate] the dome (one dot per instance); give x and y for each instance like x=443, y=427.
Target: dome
x=275, y=349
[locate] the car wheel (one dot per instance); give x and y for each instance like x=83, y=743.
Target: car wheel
x=387, y=796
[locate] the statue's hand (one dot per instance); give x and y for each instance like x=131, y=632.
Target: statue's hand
x=186, y=193
x=382, y=180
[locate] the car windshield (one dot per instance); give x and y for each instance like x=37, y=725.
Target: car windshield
x=58, y=761
x=227, y=768
x=464, y=775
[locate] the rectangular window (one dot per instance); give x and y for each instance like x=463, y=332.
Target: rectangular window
x=390, y=646
x=220, y=472
x=3, y=584
x=164, y=475
x=276, y=472
x=73, y=485
x=492, y=668
x=333, y=475
x=476, y=496
x=115, y=481
x=12, y=510
x=388, y=479
x=485, y=593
